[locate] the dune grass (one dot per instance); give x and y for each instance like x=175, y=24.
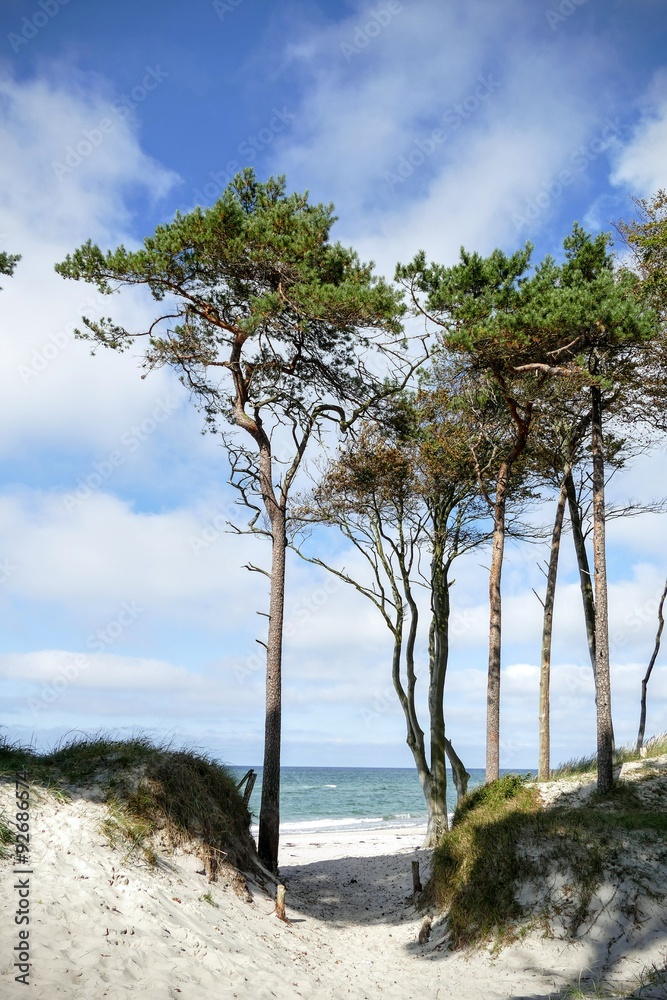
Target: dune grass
x=649, y=984
x=150, y=790
x=503, y=840
x=654, y=747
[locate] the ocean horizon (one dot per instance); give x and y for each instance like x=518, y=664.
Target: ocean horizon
x=316, y=799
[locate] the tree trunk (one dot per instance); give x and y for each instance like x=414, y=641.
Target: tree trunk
x=459, y=773
x=602, y=678
x=435, y=793
x=269, y=814
x=495, y=612
x=438, y=658
x=544, y=757
x=645, y=680
x=585, y=578
x=522, y=428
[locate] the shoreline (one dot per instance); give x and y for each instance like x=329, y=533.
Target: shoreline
x=308, y=847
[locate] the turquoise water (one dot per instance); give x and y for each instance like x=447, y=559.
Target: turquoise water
x=350, y=798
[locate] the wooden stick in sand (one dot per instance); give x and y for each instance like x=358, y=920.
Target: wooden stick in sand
x=416, y=884
x=280, y=902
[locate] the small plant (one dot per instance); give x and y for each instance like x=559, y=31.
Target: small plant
x=59, y=794
x=208, y=898
x=122, y=829
x=592, y=992
x=6, y=838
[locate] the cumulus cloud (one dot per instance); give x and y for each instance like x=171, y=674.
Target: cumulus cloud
x=433, y=134
x=51, y=387
x=641, y=165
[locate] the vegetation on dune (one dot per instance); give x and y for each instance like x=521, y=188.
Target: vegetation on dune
x=648, y=985
x=6, y=837
x=152, y=792
x=504, y=849
x=654, y=747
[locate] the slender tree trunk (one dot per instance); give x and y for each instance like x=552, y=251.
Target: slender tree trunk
x=585, y=578
x=603, y=682
x=269, y=816
x=459, y=773
x=414, y=735
x=269, y=813
x=522, y=428
x=434, y=795
x=544, y=757
x=495, y=615
x=645, y=680
x=438, y=658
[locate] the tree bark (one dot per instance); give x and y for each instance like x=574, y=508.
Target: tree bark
x=269, y=814
x=459, y=773
x=602, y=677
x=645, y=680
x=585, y=578
x=495, y=613
x=522, y=428
x=438, y=659
x=544, y=756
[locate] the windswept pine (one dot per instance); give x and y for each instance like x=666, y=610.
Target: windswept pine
x=269, y=325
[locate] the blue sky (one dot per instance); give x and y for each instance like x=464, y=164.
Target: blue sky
x=123, y=602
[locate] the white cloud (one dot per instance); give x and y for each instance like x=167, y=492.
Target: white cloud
x=52, y=390
x=41, y=121
x=93, y=670
x=101, y=552
x=641, y=166
x=508, y=105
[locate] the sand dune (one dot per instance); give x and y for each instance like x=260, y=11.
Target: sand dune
x=102, y=925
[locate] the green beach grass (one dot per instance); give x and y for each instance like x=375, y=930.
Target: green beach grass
x=149, y=789
x=503, y=839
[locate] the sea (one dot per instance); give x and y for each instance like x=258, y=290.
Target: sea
x=351, y=798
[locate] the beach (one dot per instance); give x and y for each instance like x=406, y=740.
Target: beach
x=106, y=925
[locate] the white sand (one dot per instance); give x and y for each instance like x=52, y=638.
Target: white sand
x=105, y=927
